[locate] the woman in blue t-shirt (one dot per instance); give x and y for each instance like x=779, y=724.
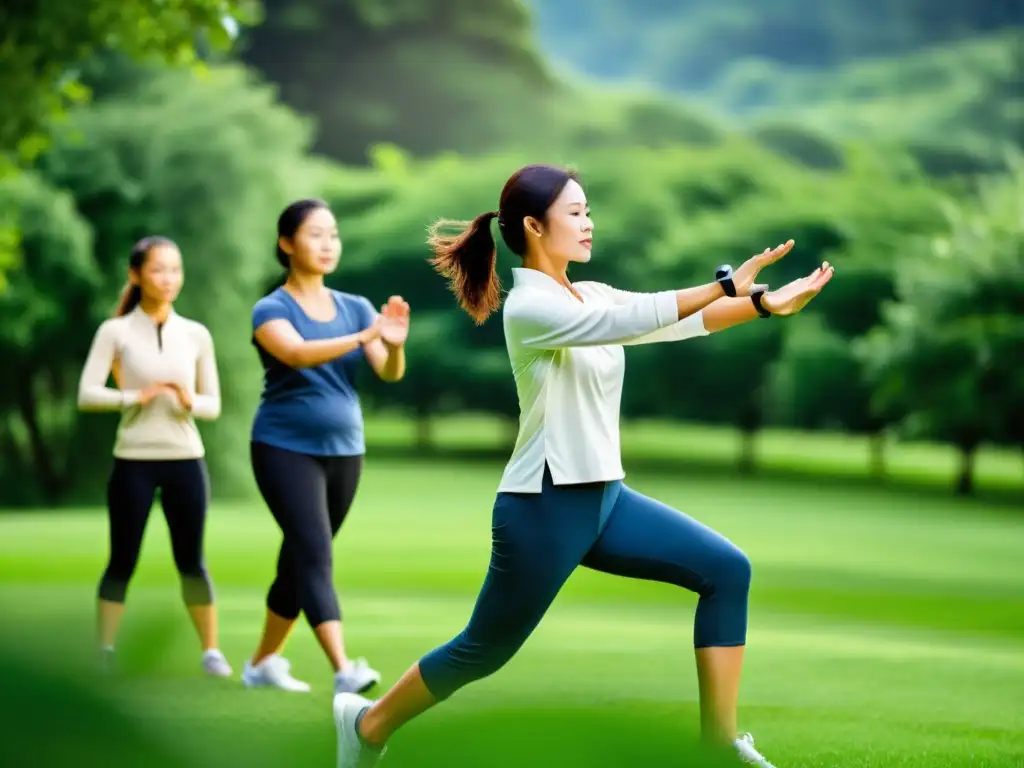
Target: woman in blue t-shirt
x=307, y=437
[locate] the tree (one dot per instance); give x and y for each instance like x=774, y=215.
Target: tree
x=43, y=45
x=949, y=352
x=818, y=382
x=45, y=316
x=721, y=379
x=665, y=218
x=428, y=76
x=134, y=167
x=736, y=381
x=435, y=371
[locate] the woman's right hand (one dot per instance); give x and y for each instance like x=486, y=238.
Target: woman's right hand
x=147, y=395
x=372, y=332
x=743, y=278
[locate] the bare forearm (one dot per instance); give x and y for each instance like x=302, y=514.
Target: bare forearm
x=310, y=354
x=394, y=369
x=727, y=312
x=692, y=300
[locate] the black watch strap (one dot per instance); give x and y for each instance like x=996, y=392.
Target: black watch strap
x=723, y=276
x=755, y=297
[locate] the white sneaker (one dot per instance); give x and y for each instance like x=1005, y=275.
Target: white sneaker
x=215, y=665
x=357, y=677
x=352, y=751
x=745, y=749
x=273, y=671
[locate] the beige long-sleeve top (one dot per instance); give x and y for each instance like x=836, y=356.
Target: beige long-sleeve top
x=180, y=351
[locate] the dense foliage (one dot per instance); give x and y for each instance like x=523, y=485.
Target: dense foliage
x=429, y=107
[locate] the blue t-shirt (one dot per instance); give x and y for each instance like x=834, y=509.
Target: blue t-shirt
x=312, y=410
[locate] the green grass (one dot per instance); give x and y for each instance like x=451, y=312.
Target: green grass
x=887, y=631
x=824, y=455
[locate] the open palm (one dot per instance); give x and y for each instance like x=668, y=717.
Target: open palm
x=394, y=321
x=794, y=296
x=745, y=276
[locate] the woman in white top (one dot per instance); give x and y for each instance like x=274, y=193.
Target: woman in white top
x=561, y=502
x=166, y=377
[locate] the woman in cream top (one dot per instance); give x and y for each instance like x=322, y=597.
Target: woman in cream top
x=166, y=375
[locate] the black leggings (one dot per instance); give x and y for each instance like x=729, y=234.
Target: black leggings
x=309, y=497
x=184, y=495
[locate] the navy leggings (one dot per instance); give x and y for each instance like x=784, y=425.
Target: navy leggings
x=538, y=540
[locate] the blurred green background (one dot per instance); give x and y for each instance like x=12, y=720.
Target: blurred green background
x=868, y=455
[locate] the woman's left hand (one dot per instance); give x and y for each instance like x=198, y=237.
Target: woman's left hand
x=394, y=327
x=184, y=396
x=794, y=296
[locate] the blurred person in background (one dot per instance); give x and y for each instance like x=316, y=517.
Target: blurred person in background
x=561, y=502
x=165, y=373
x=307, y=441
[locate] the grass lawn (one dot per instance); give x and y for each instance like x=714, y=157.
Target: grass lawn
x=708, y=447
x=887, y=631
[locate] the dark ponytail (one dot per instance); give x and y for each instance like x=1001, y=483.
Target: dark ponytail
x=468, y=259
x=131, y=295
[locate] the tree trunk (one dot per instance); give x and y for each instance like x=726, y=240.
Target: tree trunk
x=13, y=462
x=965, y=482
x=51, y=484
x=748, y=451
x=424, y=430
x=877, y=448
x=750, y=421
x=60, y=393
x=12, y=468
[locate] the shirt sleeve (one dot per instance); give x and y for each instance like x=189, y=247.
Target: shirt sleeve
x=687, y=328
x=543, y=320
x=206, y=403
x=268, y=308
x=93, y=392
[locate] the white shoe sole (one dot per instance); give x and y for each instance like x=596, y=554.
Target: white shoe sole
x=305, y=687
x=346, y=708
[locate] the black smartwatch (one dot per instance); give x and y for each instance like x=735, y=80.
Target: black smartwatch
x=756, y=298
x=723, y=276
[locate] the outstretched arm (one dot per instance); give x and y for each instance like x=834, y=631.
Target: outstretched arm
x=727, y=312
x=686, y=328
x=699, y=315
x=542, y=320
x=787, y=300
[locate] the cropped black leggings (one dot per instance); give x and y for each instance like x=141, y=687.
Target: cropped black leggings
x=309, y=497
x=184, y=495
